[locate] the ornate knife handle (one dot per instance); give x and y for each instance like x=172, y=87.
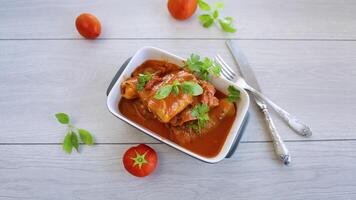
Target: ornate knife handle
x=279, y=146
x=296, y=125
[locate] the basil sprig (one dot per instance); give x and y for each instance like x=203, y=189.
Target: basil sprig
x=71, y=138
x=208, y=19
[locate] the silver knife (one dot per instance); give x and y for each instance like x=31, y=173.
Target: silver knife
x=248, y=74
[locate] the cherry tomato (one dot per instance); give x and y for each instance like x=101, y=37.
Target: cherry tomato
x=182, y=9
x=88, y=26
x=140, y=160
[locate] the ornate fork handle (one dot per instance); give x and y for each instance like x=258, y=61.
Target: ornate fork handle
x=279, y=146
x=299, y=127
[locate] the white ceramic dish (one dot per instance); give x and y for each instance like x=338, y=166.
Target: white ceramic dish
x=221, y=84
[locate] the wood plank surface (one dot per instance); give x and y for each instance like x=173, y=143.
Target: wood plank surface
x=303, y=54
x=313, y=80
x=255, y=19
x=319, y=171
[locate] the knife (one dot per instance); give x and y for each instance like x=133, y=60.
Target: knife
x=249, y=76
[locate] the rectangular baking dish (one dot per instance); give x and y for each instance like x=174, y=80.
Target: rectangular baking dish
x=146, y=53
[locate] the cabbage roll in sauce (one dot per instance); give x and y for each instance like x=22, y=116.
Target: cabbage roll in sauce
x=176, y=104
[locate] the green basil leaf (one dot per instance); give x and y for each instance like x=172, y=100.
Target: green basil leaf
x=67, y=143
x=197, y=89
x=85, y=136
x=203, y=5
x=226, y=25
x=74, y=140
x=216, y=14
x=206, y=20
x=62, y=118
x=175, y=90
x=192, y=88
x=163, y=92
x=219, y=5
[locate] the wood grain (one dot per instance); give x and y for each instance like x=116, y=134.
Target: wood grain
x=319, y=171
x=255, y=19
x=313, y=80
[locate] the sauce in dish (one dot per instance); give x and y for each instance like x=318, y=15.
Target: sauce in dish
x=176, y=104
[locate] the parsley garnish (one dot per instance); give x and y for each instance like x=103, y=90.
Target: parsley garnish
x=71, y=138
x=203, y=68
x=142, y=80
x=201, y=113
x=234, y=94
x=188, y=87
x=208, y=19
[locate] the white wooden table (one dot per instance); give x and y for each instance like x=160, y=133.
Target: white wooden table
x=303, y=53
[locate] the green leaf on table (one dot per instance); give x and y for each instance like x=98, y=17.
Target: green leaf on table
x=206, y=20
x=226, y=25
x=203, y=5
x=85, y=136
x=219, y=5
x=163, y=92
x=234, y=94
x=67, y=143
x=216, y=14
x=75, y=141
x=192, y=88
x=62, y=118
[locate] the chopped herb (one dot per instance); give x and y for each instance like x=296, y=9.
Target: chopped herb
x=203, y=68
x=208, y=19
x=234, y=94
x=201, y=113
x=71, y=138
x=142, y=80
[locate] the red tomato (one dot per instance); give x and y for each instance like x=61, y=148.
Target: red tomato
x=88, y=26
x=140, y=160
x=182, y=9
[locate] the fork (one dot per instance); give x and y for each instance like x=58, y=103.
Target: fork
x=296, y=125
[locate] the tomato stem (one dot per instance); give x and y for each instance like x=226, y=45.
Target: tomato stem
x=139, y=159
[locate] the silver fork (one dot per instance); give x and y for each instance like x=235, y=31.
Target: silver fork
x=296, y=125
